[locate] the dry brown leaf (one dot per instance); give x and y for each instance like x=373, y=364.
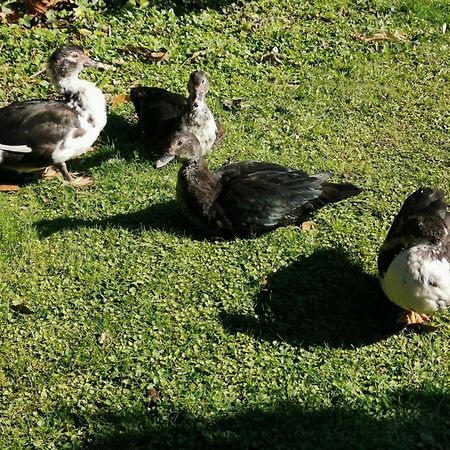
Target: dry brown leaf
x=120, y=98
x=102, y=338
x=9, y=187
x=142, y=52
x=50, y=172
x=308, y=225
x=272, y=57
x=153, y=395
x=200, y=53
x=235, y=103
x=162, y=55
x=197, y=54
x=380, y=37
x=40, y=7
x=21, y=308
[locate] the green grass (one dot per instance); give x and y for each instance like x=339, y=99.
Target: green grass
x=143, y=333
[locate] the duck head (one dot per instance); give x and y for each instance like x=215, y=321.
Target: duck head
x=67, y=62
x=182, y=145
x=198, y=87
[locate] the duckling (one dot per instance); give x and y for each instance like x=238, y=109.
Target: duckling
x=414, y=260
x=162, y=112
x=37, y=133
x=248, y=197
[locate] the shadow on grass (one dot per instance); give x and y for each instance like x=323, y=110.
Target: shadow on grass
x=317, y=300
x=123, y=137
x=416, y=420
x=161, y=216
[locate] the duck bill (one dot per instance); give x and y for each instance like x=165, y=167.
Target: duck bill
x=164, y=160
x=88, y=62
x=198, y=98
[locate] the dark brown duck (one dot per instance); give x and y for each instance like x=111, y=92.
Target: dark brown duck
x=249, y=197
x=161, y=113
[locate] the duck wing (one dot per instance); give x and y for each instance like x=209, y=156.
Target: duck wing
x=229, y=172
x=427, y=203
x=220, y=135
x=261, y=196
x=35, y=126
x=159, y=111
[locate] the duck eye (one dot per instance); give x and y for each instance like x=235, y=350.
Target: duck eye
x=179, y=143
x=74, y=55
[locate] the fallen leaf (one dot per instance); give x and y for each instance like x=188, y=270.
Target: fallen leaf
x=308, y=225
x=153, y=395
x=197, y=54
x=380, y=37
x=50, y=172
x=162, y=55
x=235, y=103
x=121, y=98
x=102, y=338
x=21, y=309
x=9, y=187
x=40, y=7
x=142, y=52
x=272, y=57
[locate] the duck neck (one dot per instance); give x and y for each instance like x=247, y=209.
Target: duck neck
x=86, y=98
x=192, y=168
x=200, y=121
x=197, y=184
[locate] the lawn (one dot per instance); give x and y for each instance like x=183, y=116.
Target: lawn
x=123, y=327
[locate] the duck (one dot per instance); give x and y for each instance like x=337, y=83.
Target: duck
x=414, y=260
x=161, y=113
x=35, y=134
x=248, y=197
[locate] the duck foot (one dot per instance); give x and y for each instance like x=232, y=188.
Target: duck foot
x=82, y=181
x=413, y=320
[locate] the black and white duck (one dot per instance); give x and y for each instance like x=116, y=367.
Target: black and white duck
x=248, y=197
x=37, y=133
x=161, y=113
x=414, y=260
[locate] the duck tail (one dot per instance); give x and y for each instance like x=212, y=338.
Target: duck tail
x=335, y=192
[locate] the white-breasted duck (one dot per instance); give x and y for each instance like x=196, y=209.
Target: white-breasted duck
x=414, y=260
x=161, y=113
x=37, y=133
x=248, y=197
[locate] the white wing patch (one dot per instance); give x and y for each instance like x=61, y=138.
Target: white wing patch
x=15, y=148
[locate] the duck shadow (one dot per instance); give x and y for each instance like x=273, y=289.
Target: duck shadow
x=165, y=217
x=322, y=299
x=283, y=425
x=122, y=137
x=10, y=177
